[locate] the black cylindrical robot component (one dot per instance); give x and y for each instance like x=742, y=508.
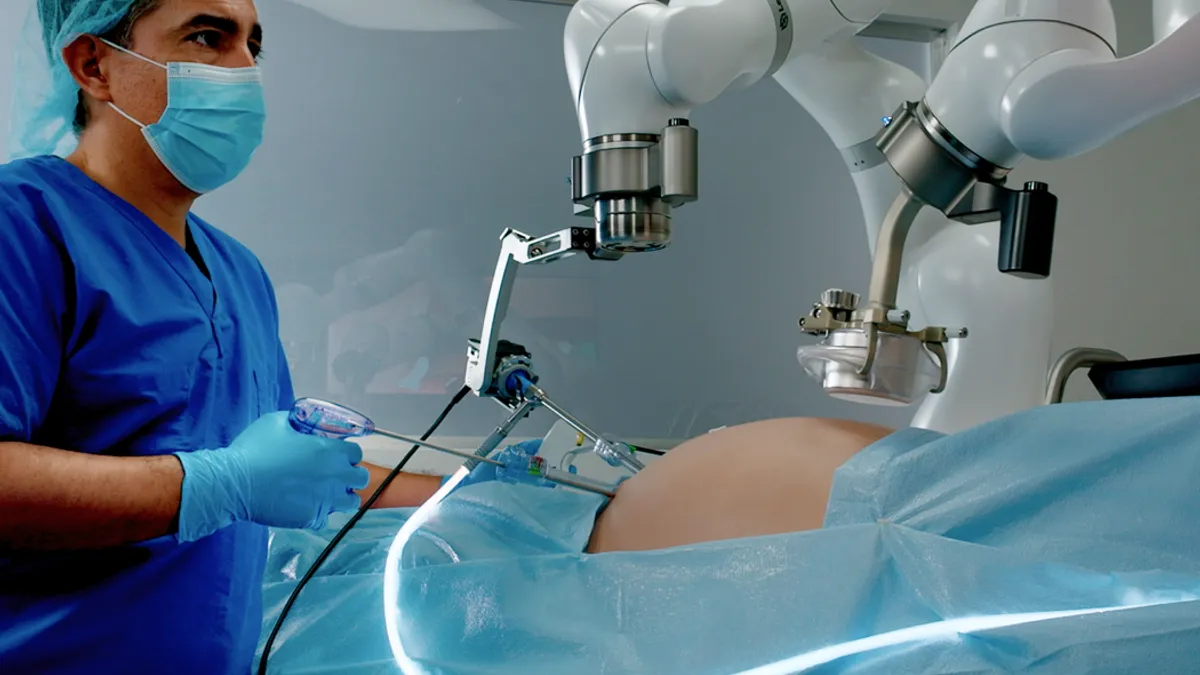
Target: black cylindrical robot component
x=1027, y=232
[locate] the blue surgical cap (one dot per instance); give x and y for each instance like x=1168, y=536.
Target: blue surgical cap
x=45, y=93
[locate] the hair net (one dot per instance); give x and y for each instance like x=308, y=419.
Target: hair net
x=45, y=94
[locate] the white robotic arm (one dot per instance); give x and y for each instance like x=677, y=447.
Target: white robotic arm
x=634, y=65
x=1026, y=77
x=950, y=277
x=619, y=54
x=637, y=69
x=1040, y=78
x=870, y=353
x=1075, y=100
x=849, y=92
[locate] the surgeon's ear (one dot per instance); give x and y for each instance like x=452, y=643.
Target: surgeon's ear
x=83, y=59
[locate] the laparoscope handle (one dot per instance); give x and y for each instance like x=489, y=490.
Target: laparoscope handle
x=322, y=418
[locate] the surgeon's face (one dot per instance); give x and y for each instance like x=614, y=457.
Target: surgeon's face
x=222, y=33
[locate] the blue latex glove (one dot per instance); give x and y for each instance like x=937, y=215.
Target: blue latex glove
x=271, y=475
x=516, y=458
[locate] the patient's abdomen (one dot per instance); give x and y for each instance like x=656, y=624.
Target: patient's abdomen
x=751, y=480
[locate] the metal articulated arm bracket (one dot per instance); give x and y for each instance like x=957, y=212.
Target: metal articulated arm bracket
x=490, y=359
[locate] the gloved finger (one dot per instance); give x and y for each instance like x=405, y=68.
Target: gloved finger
x=278, y=421
x=352, y=451
x=347, y=502
x=358, y=478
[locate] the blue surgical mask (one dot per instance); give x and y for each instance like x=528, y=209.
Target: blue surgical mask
x=212, y=125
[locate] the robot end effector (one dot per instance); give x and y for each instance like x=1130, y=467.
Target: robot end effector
x=870, y=355
x=639, y=67
x=937, y=170
x=629, y=183
x=958, y=165
x=1035, y=78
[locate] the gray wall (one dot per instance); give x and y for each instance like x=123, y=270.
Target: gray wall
x=393, y=161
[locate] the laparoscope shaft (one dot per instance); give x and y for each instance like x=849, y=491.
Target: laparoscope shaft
x=564, y=478
x=431, y=446
x=536, y=392
x=553, y=475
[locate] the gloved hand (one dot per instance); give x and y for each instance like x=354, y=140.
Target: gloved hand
x=271, y=475
x=516, y=470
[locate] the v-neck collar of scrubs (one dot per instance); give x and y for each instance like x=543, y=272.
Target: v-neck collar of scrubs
x=193, y=252
x=202, y=286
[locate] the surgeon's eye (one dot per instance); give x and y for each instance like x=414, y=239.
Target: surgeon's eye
x=209, y=39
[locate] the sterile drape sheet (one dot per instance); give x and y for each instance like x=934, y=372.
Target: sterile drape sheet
x=1060, y=540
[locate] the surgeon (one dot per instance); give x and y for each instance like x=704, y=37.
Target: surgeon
x=142, y=452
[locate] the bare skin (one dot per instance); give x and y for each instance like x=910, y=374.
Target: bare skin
x=112, y=151
x=56, y=500
x=757, y=479
x=52, y=500
x=409, y=489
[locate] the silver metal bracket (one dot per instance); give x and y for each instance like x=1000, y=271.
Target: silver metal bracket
x=838, y=315
x=490, y=360
x=843, y=324
x=825, y=320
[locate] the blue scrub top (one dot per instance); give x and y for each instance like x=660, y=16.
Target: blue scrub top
x=114, y=341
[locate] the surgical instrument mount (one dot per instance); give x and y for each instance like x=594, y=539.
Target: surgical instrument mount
x=503, y=370
x=492, y=363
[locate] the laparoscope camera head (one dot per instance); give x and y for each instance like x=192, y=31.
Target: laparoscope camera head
x=629, y=183
x=512, y=371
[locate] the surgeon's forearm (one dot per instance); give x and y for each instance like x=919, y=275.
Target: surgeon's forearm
x=58, y=500
x=409, y=489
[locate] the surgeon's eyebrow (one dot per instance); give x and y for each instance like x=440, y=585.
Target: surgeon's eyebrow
x=223, y=24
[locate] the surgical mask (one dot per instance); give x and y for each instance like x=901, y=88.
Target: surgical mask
x=212, y=125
